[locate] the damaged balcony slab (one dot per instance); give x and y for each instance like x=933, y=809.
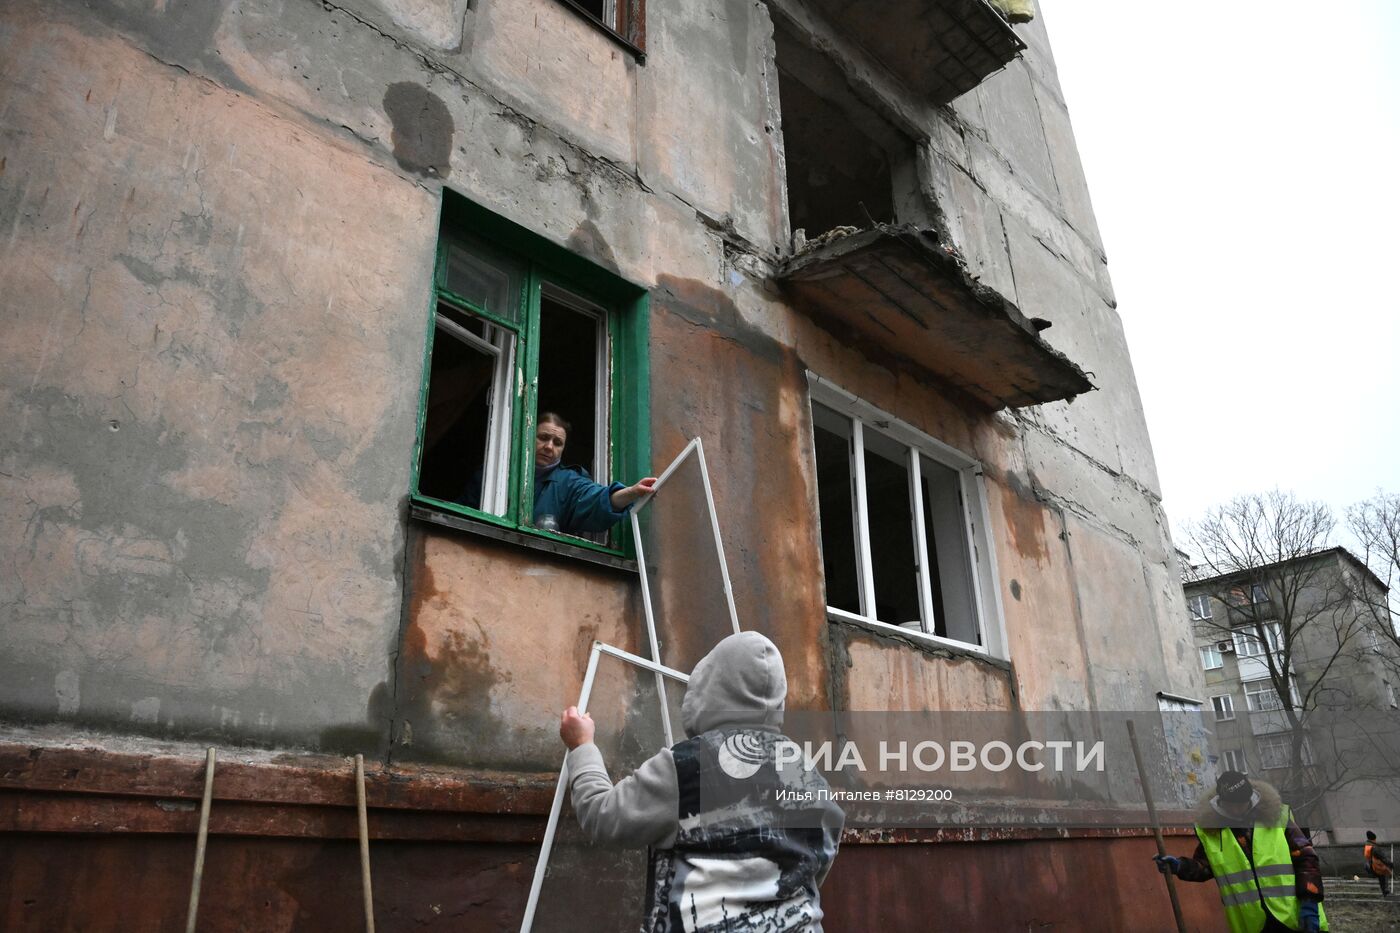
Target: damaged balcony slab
x=939, y=48
x=899, y=289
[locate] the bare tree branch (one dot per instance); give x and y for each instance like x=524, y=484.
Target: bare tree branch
x=1289, y=599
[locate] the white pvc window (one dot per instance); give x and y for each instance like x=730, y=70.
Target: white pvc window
x=1224, y=707
x=1276, y=751
x=473, y=363
x=1248, y=644
x=1234, y=760
x=1263, y=698
x=1200, y=607
x=1210, y=658
x=903, y=526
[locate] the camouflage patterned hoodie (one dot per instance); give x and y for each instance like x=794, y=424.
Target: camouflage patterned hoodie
x=737, y=843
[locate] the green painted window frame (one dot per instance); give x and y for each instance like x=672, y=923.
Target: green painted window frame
x=629, y=408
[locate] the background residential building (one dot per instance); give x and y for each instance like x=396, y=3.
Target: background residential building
x=282, y=278
x=1315, y=627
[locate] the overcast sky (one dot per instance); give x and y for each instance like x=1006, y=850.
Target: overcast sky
x=1244, y=162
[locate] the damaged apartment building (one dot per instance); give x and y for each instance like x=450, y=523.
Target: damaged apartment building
x=286, y=287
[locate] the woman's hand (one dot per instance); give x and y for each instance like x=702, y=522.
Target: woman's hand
x=629, y=494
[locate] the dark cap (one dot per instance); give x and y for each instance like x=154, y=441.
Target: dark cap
x=1370, y=836
x=1234, y=787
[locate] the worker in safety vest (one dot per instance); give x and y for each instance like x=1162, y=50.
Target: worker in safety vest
x=1377, y=865
x=1265, y=865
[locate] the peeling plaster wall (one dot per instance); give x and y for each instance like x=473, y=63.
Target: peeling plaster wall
x=202, y=379
x=216, y=236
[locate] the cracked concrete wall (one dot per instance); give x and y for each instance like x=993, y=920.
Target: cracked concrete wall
x=203, y=362
x=1005, y=157
x=218, y=225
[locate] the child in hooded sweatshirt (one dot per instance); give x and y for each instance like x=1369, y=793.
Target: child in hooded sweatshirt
x=729, y=852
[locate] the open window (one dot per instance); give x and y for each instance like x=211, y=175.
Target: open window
x=903, y=526
x=521, y=328
x=846, y=165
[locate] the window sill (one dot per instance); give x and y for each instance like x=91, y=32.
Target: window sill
x=929, y=644
x=520, y=538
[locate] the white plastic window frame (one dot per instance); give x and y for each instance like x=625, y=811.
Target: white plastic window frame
x=1264, y=688
x=499, y=344
x=1271, y=747
x=990, y=620
x=1235, y=760
x=1211, y=653
x=694, y=449
x=1248, y=645
x=1199, y=607
x=1224, y=711
x=561, y=788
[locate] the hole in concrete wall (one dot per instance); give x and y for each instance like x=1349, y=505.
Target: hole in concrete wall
x=846, y=165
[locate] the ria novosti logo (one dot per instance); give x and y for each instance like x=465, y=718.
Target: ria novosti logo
x=954, y=756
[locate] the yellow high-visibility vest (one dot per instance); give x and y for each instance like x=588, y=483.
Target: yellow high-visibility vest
x=1249, y=887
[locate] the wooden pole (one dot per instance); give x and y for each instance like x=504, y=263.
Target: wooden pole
x=192, y=916
x=364, y=842
x=1156, y=826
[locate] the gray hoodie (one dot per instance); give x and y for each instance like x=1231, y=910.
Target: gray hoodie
x=723, y=848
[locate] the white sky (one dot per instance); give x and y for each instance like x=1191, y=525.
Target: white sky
x=1244, y=162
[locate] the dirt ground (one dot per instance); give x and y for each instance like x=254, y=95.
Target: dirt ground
x=1354, y=908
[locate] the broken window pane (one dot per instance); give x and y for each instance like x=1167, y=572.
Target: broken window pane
x=685, y=567
x=949, y=557
x=466, y=427
x=832, y=435
x=887, y=490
